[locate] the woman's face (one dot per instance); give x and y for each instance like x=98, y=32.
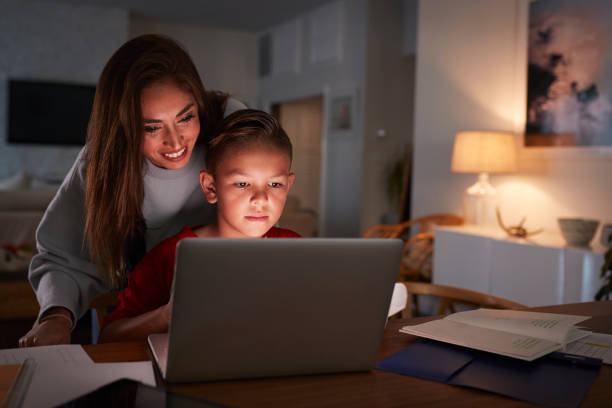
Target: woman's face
x=170, y=124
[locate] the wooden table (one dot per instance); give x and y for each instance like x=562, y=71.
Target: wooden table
x=371, y=389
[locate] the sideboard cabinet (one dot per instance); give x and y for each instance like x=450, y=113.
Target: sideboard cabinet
x=540, y=270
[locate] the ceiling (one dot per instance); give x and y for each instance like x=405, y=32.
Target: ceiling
x=245, y=15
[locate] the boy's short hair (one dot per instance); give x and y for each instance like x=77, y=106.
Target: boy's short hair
x=246, y=128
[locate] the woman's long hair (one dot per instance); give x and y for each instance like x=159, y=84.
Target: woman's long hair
x=114, y=192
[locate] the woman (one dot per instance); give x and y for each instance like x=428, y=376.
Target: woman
x=134, y=184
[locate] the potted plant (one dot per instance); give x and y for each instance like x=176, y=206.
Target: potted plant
x=605, y=292
x=395, y=179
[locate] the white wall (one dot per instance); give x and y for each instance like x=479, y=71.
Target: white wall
x=388, y=106
x=410, y=9
x=71, y=43
x=471, y=74
x=297, y=76
x=55, y=42
x=226, y=59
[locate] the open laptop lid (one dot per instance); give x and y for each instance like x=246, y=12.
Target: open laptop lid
x=270, y=307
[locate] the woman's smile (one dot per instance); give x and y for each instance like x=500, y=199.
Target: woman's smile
x=176, y=155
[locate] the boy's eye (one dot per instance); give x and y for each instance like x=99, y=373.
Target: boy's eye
x=151, y=129
x=275, y=184
x=187, y=118
x=241, y=184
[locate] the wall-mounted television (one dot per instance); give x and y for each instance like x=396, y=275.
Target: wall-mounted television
x=51, y=113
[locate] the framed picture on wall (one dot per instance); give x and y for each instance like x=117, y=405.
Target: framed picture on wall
x=569, y=85
x=341, y=113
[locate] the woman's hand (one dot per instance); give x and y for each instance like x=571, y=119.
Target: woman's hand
x=54, y=329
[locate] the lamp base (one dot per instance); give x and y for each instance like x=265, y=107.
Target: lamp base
x=479, y=202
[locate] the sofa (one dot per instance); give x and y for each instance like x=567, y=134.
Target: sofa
x=22, y=204
x=24, y=199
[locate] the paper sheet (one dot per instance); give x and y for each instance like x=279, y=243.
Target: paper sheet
x=65, y=372
x=47, y=355
x=480, y=338
x=398, y=299
x=554, y=327
x=597, y=345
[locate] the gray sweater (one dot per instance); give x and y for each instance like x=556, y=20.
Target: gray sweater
x=62, y=273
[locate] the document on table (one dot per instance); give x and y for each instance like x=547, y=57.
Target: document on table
x=514, y=333
x=46, y=355
x=65, y=372
x=597, y=345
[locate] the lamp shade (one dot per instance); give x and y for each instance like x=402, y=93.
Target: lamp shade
x=484, y=152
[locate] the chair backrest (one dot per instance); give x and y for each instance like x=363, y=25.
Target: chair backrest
x=425, y=224
x=17, y=300
x=418, y=249
x=99, y=308
x=384, y=231
x=450, y=295
x=428, y=222
x=102, y=303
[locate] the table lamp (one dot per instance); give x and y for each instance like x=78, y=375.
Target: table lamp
x=482, y=152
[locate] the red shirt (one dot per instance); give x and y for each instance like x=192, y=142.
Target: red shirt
x=149, y=283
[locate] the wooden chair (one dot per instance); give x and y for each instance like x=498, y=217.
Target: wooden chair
x=417, y=255
x=450, y=295
x=418, y=249
x=384, y=231
x=101, y=304
x=17, y=300
x=425, y=224
x=99, y=309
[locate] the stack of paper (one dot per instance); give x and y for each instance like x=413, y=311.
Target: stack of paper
x=513, y=333
x=595, y=345
x=65, y=372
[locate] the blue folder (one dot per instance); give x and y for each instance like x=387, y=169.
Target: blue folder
x=558, y=379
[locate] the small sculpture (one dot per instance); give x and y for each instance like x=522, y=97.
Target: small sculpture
x=517, y=231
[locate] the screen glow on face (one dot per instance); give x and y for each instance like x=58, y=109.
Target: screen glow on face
x=251, y=188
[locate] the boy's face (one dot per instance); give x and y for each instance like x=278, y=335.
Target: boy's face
x=250, y=187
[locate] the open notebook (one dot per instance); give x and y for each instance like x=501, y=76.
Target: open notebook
x=513, y=333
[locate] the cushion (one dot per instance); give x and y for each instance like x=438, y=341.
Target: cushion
x=19, y=181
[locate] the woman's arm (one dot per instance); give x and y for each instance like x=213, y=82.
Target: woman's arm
x=61, y=273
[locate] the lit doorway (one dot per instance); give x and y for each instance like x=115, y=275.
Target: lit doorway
x=302, y=120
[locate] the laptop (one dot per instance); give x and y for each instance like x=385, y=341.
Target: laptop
x=249, y=308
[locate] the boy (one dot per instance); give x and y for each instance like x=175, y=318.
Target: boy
x=248, y=177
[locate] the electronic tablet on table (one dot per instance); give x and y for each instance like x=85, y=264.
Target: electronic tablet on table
x=133, y=394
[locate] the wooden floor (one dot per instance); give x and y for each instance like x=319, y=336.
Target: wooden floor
x=11, y=330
